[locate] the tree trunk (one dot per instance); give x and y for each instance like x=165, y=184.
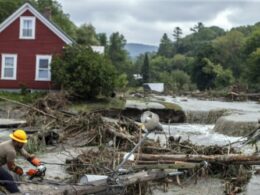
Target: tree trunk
x=230, y=158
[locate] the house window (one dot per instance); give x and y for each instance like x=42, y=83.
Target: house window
x=27, y=27
x=43, y=69
x=9, y=65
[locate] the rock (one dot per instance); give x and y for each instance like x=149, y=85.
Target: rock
x=238, y=124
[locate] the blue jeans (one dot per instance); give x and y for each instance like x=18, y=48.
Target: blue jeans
x=11, y=186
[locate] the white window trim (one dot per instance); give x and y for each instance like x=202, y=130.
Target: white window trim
x=3, y=66
x=38, y=57
x=22, y=18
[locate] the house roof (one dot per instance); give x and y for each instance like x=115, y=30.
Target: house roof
x=27, y=6
x=98, y=49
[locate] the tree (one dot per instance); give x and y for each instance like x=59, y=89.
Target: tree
x=83, y=72
x=203, y=73
x=191, y=44
x=102, y=37
x=8, y=7
x=145, y=72
x=229, y=51
x=118, y=55
x=208, y=75
x=178, y=62
x=165, y=47
x=177, y=32
x=253, y=70
x=197, y=28
x=253, y=42
x=176, y=80
x=224, y=77
x=57, y=15
x=86, y=35
x=121, y=82
x=159, y=64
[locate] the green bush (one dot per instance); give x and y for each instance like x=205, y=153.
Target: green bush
x=176, y=80
x=82, y=72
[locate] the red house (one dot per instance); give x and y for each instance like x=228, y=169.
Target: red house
x=28, y=41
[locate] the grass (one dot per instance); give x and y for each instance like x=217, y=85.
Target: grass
x=99, y=104
x=24, y=98
x=171, y=106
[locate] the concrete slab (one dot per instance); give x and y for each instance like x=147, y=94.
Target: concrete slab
x=143, y=105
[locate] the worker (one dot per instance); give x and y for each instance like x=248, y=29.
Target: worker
x=8, y=151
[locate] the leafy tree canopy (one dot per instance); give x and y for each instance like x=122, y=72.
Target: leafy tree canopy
x=118, y=55
x=252, y=42
x=86, y=35
x=252, y=73
x=165, y=47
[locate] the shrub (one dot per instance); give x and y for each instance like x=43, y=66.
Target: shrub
x=83, y=72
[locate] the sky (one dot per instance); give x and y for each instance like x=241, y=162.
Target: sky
x=145, y=21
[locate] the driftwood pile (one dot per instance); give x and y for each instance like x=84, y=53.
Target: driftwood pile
x=233, y=168
x=81, y=129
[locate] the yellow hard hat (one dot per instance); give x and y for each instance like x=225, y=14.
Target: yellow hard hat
x=19, y=135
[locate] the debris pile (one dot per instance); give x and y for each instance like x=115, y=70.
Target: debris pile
x=194, y=161
x=113, y=138
x=81, y=129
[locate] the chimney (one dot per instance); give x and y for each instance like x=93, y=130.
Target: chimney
x=47, y=13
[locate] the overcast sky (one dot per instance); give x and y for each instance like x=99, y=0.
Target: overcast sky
x=145, y=21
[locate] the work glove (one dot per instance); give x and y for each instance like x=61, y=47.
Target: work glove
x=31, y=172
x=35, y=161
x=18, y=170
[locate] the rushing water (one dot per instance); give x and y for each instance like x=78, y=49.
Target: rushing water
x=197, y=133
x=204, y=134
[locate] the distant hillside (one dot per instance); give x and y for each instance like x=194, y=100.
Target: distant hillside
x=135, y=49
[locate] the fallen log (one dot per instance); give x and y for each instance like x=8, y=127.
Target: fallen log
x=146, y=162
x=166, y=166
x=155, y=149
x=228, y=158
